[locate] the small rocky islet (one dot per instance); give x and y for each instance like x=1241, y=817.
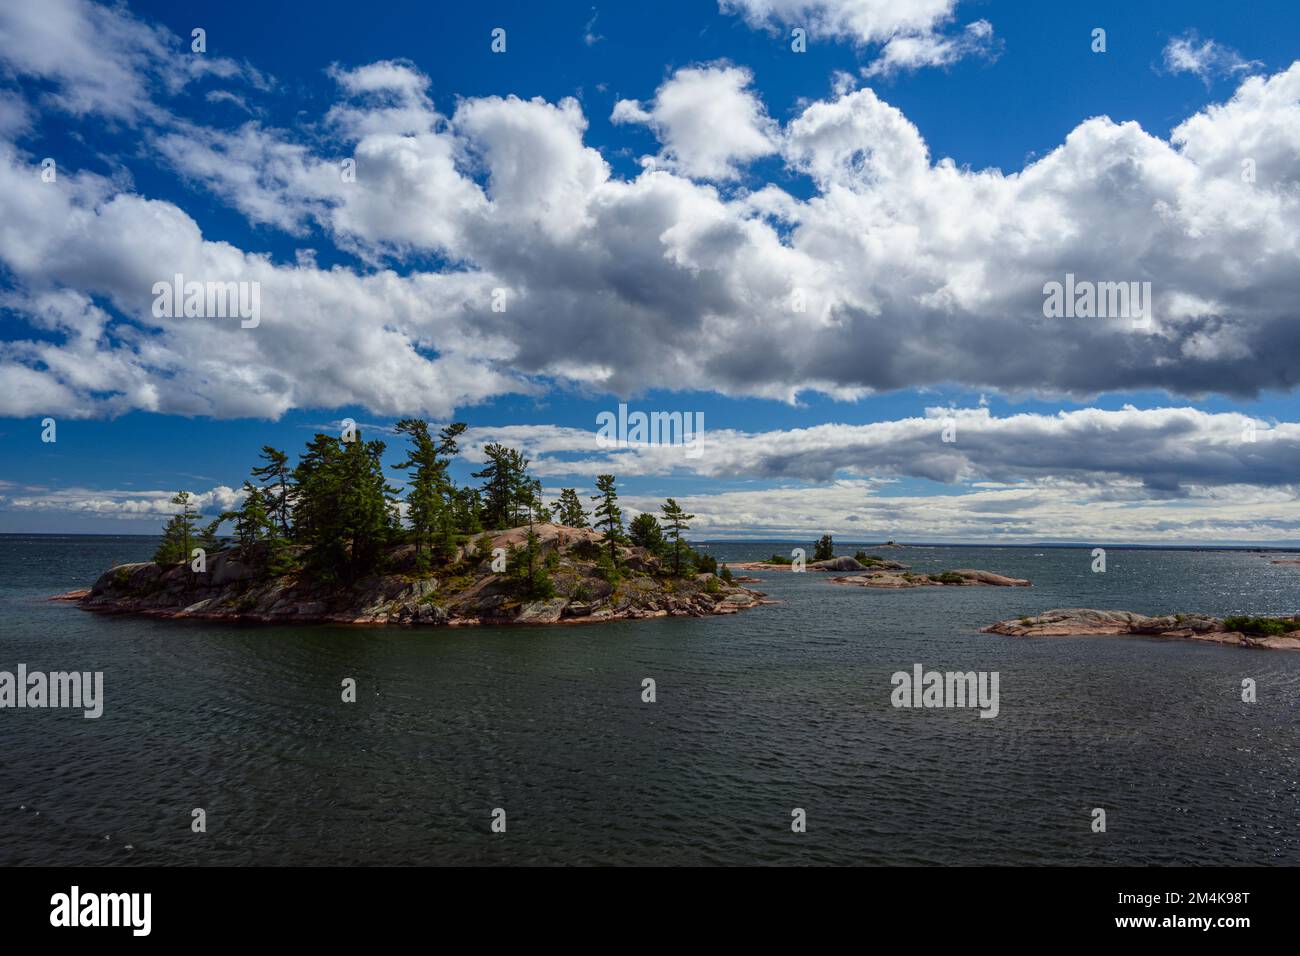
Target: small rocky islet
x=871, y=571
x=829, y=564
x=961, y=577
x=466, y=592
x=876, y=572
x=1262, y=632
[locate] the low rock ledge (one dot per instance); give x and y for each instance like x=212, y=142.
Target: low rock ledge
x=1087, y=622
x=963, y=577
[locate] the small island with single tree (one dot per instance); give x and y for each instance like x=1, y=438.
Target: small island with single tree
x=873, y=571
x=330, y=540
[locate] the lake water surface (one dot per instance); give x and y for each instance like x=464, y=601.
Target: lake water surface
x=778, y=707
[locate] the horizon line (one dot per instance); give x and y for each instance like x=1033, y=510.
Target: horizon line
x=1186, y=546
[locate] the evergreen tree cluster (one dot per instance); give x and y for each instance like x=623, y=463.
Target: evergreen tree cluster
x=335, y=515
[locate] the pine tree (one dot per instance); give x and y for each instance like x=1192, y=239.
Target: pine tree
x=529, y=577
x=497, y=487
x=278, y=555
x=370, y=507
x=568, y=510
x=178, y=533
x=506, y=493
x=208, y=539
x=262, y=522
x=675, y=522
x=469, y=510
x=251, y=520
x=522, y=490
x=424, y=510
x=344, y=509
x=317, y=507
x=608, y=515
x=431, y=501
x=824, y=550
x=535, y=506
x=425, y=496
x=644, y=532
x=525, y=572
x=277, y=493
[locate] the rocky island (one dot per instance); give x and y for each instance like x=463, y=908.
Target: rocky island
x=330, y=540
x=873, y=571
x=860, y=563
x=465, y=591
x=1269, y=632
x=963, y=577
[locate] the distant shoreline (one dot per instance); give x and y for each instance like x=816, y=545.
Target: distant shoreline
x=844, y=543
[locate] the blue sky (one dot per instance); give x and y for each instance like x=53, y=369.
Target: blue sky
x=638, y=227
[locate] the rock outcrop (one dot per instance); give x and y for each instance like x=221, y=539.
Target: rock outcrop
x=1083, y=622
x=964, y=577
x=830, y=564
x=464, y=590
x=836, y=564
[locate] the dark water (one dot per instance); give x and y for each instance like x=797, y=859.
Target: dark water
x=779, y=707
